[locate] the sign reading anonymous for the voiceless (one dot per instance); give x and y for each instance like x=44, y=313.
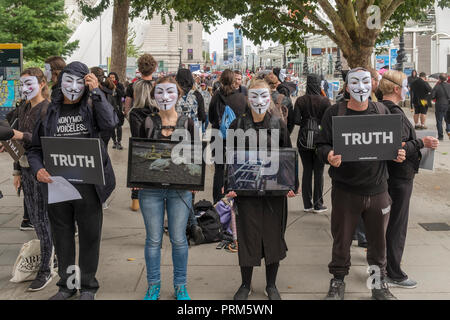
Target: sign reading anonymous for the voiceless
x=367, y=138
x=78, y=160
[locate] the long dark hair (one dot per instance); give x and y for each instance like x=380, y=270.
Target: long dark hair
x=227, y=80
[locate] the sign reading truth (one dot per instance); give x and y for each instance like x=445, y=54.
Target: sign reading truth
x=78, y=160
x=367, y=138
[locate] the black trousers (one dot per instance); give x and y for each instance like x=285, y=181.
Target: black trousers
x=218, y=181
x=347, y=209
x=88, y=215
x=400, y=192
x=312, y=164
x=117, y=134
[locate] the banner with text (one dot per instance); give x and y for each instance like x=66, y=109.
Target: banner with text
x=78, y=160
x=367, y=138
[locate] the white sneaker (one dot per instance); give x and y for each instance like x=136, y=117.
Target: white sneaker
x=308, y=210
x=105, y=206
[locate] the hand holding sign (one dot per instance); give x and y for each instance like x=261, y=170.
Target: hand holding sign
x=430, y=142
x=17, y=135
x=43, y=176
x=401, y=156
x=334, y=160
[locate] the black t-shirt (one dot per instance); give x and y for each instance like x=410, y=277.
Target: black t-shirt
x=70, y=122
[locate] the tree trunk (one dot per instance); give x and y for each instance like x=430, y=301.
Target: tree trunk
x=119, y=31
x=357, y=55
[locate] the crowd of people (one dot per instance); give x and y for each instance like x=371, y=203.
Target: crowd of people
x=368, y=198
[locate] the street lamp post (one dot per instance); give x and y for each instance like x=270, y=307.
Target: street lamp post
x=180, y=49
x=253, y=66
x=338, y=65
x=401, y=53
x=284, y=56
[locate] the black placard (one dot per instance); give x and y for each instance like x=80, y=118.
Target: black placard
x=151, y=165
x=78, y=160
x=367, y=138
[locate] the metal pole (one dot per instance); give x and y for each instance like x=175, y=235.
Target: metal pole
x=100, y=55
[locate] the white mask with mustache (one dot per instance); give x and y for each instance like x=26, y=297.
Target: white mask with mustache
x=30, y=87
x=48, y=72
x=360, y=85
x=166, y=95
x=72, y=86
x=259, y=100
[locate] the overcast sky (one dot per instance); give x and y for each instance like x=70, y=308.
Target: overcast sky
x=219, y=33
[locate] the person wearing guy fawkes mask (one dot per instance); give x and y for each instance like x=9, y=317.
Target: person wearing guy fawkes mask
x=261, y=221
x=358, y=189
x=78, y=109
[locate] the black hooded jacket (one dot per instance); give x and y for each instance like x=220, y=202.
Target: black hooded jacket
x=407, y=169
x=311, y=105
x=97, y=114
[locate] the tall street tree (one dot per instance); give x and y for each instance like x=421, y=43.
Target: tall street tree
x=354, y=25
x=40, y=25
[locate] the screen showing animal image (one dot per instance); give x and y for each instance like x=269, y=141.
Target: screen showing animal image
x=152, y=164
x=253, y=173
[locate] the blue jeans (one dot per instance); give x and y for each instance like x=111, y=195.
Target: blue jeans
x=441, y=112
x=153, y=203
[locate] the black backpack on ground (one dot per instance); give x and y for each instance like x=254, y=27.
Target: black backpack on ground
x=209, y=222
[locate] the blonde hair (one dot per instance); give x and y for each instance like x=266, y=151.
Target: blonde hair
x=390, y=80
x=142, y=94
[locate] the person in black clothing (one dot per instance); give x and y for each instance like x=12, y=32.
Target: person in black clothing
x=441, y=92
x=413, y=77
x=119, y=94
x=261, y=220
x=310, y=109
x=225, y=95
x=401, y=175
x=35, y=92
x=358, y=189
x=108, y=88
x=420, y=90
x=285, y=88
x=78, y=109
x=283, y=104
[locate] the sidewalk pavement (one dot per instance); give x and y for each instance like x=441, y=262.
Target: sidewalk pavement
x=214, y=274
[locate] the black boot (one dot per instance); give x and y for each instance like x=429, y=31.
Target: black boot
x=336, y=290
x=383, y=292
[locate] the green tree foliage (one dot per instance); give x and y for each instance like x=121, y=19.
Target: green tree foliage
x=40, y=25
x=133, y=51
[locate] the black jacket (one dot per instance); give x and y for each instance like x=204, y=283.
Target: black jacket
x=361, y=177
x=407, y=169
x=236, y=101
x=6, y=132
x=421, y=89
x=97, y=117
x=441, y=92
x=309, y=106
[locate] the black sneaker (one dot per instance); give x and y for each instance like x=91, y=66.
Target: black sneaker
x=272, y=293
x=383, y=293
x=87, y=295
x=242, y=293
x=197, y=234
x=119, y=146
x=26, y=225
x=114, y=145
x=320, y=209
x=336, y=291
x=41, y=281
x=63, y=295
